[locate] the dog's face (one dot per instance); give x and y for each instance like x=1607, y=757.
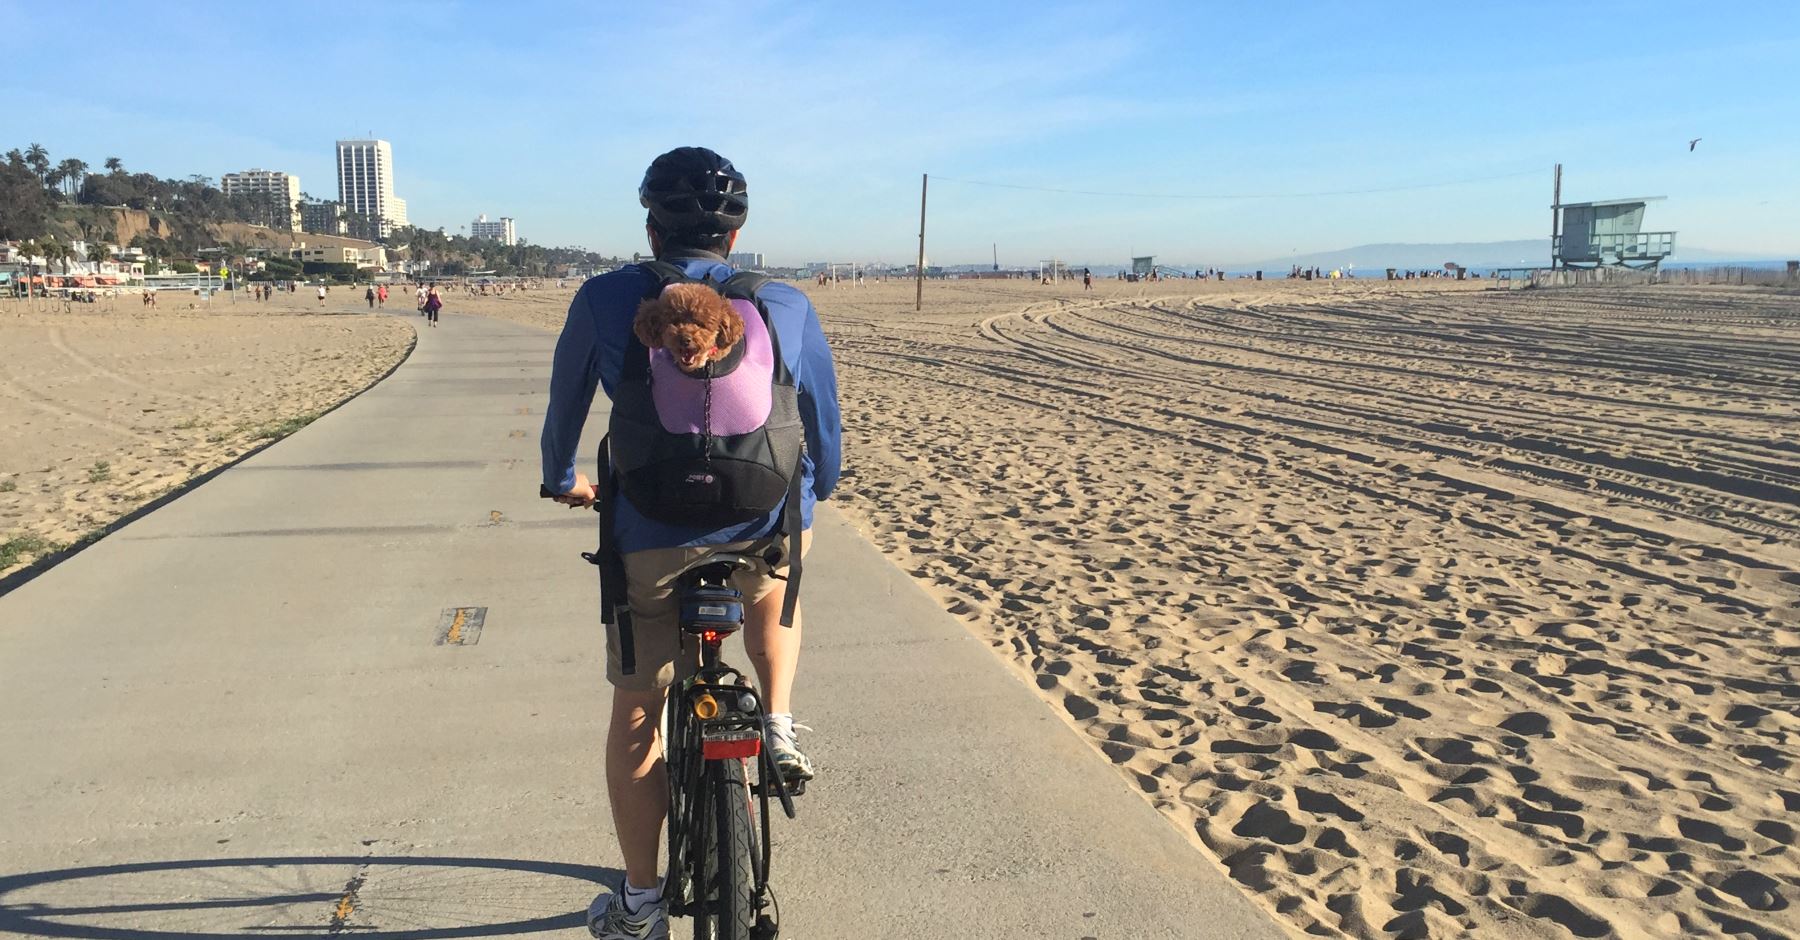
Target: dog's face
x=692, y=322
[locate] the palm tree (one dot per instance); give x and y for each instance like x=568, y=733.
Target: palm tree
x=55, y=250
x=97, y=252
x=73, y=170
x=115, y=165
x=38, y=159
x=29, y=249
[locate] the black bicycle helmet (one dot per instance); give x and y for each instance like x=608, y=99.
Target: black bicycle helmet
x=691, y=190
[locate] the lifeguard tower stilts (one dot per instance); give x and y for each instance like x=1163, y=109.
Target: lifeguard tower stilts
x=1606, y=233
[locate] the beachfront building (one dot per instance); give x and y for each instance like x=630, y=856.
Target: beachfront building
x=373, y=256
x=282, y=189
x=323, y=217
x=501, y=231
x=366, y=184
x=746, y=260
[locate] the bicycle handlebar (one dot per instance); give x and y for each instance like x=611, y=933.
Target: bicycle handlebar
x=544, y=492
x=736, y=561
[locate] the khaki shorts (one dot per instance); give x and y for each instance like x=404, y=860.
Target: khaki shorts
x=650, y=641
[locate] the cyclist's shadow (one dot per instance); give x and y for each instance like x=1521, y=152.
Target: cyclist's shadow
x=381, y=897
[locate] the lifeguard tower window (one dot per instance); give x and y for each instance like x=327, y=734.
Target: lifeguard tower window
x=1609, y=232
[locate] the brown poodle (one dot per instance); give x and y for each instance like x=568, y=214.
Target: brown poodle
x=692, y=321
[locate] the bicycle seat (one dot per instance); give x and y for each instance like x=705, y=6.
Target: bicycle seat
x=715, y=568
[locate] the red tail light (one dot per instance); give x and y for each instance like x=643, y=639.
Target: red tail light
x=721, y=750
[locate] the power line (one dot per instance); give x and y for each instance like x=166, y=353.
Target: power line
x=1336, y=192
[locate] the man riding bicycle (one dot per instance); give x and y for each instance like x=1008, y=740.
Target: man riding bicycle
x=697, y=202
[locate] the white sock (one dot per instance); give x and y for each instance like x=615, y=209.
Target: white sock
x=780, y=723
x=636, y=898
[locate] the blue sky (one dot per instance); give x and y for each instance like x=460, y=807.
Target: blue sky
x=549, y=112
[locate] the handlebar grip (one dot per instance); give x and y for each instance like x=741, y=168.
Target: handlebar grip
x=544, y=492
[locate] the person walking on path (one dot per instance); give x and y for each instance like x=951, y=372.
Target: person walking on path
x=697, y=202
x=369, y=295
x=381, y=296
x=433, y=303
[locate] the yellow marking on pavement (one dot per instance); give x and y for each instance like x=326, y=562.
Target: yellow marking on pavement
x=460, y=626
x=344, y=908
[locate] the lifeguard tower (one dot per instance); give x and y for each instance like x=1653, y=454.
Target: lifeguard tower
x=1606, y=233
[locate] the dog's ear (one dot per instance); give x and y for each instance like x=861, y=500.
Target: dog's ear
x=731, y=328
x=652, y=314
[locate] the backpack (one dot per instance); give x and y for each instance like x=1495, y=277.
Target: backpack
x=676, y=469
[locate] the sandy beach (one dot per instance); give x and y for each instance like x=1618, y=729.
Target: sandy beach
x=106, y=407
x=1426, y=611
x=1422, y=610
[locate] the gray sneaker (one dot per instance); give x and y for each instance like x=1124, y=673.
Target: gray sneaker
x=784, y=747
x=609, y=920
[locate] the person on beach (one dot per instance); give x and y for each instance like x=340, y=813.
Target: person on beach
x=433, y=303
x=369, y=295
x=696, y=201
x=321, y=295
x=1087, y=279
x=381, y=296
x=421, y=293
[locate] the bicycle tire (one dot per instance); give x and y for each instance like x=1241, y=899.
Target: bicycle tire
x=728, y=853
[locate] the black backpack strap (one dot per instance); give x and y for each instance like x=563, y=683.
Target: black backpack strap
x=791, y=523
x=743, y=286
x=606, y=557
x=636, y=366
x=665, y=272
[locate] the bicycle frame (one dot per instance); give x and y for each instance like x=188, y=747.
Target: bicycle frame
x=714, y=715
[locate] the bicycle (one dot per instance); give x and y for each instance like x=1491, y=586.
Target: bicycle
x=719, y=850
x=718, y=826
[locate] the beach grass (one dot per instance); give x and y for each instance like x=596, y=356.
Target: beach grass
x=24, y=546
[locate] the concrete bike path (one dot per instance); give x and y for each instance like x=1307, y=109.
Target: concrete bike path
x=233, y=717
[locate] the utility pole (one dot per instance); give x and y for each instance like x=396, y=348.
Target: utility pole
x=1555, y=214
x=919, y=279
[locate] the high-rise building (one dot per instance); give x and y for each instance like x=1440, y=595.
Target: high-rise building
x=366, y=184
x=284, y=187
x=501, y=231
x=323, y=217
x=746, y=260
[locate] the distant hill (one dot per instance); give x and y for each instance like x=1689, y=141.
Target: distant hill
x=1527, y=251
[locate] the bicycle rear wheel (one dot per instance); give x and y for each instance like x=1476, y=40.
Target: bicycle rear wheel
x=728, y=854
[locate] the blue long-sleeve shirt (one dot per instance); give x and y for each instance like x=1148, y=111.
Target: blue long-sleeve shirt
x=591, y=354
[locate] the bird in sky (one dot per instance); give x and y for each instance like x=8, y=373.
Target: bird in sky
x=1691, y=144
